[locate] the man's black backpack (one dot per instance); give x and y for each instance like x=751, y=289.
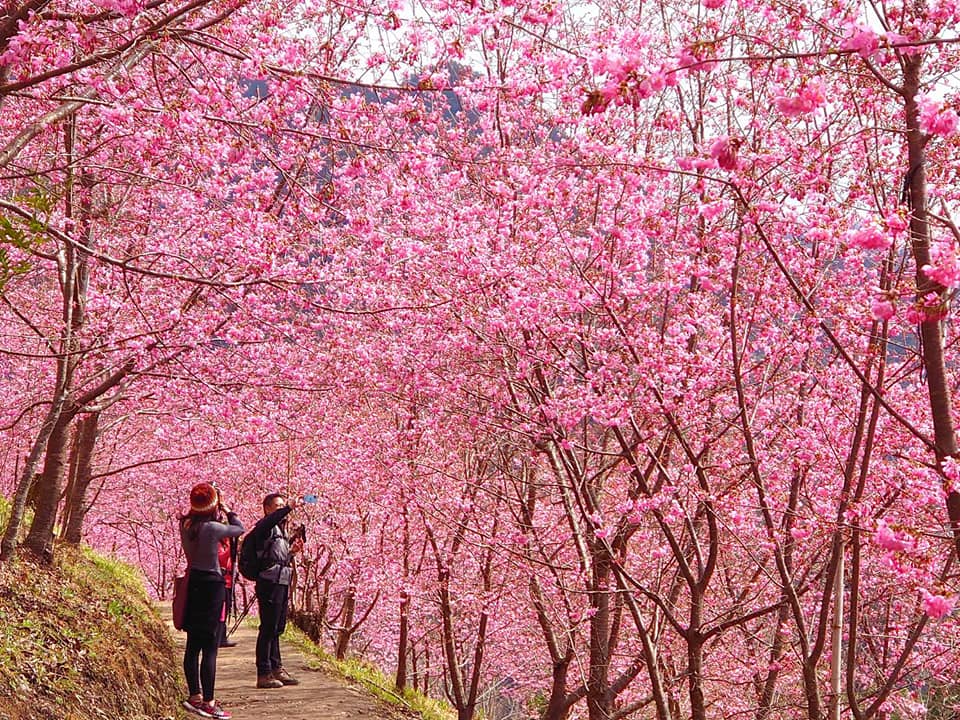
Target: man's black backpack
x=248, y=559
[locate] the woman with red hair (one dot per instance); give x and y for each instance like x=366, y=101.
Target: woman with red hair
x=200, y=535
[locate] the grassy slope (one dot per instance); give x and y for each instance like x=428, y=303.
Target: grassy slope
x=80, y=641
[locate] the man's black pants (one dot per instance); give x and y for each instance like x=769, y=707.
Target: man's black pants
x=272, y=601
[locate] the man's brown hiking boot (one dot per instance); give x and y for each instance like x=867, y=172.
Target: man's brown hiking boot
x=284, y=677
x=268, y=681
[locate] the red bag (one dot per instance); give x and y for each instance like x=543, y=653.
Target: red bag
x=180, y=599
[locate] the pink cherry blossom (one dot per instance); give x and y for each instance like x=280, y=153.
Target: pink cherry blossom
x=868, y=237
x=886, y=538
x=882, y=308
x=944, y=266
x=863, y=39
x=809, y=97
x=724, y=151
x=936, y=606
x=936, y=119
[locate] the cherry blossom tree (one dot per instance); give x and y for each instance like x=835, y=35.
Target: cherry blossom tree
x=602, y=332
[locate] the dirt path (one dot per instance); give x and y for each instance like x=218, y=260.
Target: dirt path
x=319, y=696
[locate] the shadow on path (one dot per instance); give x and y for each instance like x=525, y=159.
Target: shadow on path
x=319, y=696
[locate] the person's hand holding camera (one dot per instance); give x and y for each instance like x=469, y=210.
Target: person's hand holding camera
x=223, y=506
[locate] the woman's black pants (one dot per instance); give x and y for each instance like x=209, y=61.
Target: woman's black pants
x=205, y=600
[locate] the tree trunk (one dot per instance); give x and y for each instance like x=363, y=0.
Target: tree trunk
x=400, y=682
x=27, y=477
x=415, y=673
x=76, y=502
x=426, y=670
x=457, y=693
x=695, y=675
x=67, y=267
x=346, y=630
x=931, y=329
x=599, y=705
x=71, y=267
x=68, y=492
x=40, y=538
x=325, y=600
x=558, y=707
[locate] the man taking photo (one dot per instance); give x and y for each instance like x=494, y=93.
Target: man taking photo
x=275, y=551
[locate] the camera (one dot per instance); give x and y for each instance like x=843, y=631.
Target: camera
x=300, y=533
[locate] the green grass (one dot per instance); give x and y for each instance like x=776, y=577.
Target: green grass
x=80, y=639
x=372, y=679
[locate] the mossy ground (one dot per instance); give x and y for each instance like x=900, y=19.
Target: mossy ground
x=80, y=640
